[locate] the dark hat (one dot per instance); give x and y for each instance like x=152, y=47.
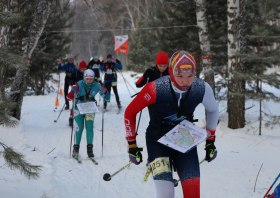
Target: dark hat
x=109, y=56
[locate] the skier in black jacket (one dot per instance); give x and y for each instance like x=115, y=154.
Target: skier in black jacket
x=155, y=72
x=94, y=65
x=71, y=75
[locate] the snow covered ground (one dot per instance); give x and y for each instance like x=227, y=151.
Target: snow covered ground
x=231, y=175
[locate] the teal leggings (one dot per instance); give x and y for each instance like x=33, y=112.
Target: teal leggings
x=79, y=126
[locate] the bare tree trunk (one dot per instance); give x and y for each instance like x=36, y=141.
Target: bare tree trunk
x=204, y=42
x=34, y=33
x=130, y=14
x=236, y=114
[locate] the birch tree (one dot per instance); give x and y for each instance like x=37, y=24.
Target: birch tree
x=204, y=42
x=37, y=26
x=236, y=110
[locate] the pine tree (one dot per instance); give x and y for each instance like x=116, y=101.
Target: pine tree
x=263, y=52
x=8, y=61
x=34, y=32
x=52, y=46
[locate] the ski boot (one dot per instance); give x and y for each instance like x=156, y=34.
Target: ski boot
x=75, y=153
x=71, y=121
x=66, y=107
x=89, y=151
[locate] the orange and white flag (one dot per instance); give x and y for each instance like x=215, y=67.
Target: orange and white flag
x=121, y=44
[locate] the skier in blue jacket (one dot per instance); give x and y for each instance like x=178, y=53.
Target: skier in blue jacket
x=71, y=76
x=110, y=68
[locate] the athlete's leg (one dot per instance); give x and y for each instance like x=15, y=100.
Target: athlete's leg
x=187, y=167
x=114, y=85
x=66, y=87
x=159, y=160
x=79, y=125
x=108, y=86
x=89, y=118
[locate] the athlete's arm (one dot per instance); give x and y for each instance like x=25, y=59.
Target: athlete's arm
x=141, y=81
x=146, y=96
x=70, y=95
x=212, y=111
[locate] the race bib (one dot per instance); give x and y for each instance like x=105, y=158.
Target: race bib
x=109, y=71
x=160, y=165
x=90, y=117
x=114, y=84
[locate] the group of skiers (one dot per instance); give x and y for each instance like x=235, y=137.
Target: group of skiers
x=171, y=92
x=86, y=82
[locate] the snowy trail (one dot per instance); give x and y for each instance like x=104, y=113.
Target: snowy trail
x=231, y=175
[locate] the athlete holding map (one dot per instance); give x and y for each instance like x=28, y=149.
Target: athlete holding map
x=172, y=99
x=84, y=111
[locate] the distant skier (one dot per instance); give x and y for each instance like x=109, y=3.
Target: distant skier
x=176, y=95
x=155, y=72
x=71, y=75
x=85, y=90
x=110, y=78
x=80, y=76
x=94, y=64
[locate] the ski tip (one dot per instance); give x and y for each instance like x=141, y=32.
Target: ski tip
x=106, y=177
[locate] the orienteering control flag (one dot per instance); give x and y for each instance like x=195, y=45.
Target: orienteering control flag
x=121, y=44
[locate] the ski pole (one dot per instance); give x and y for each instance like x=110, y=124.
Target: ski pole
x=60, y=112
x=138, y=121
x=272, y=185
x=108, y=177
x=102, y=123
x=125, y=84
x=134, y=95
x=72, y=124
x=58, y=88
x=201, y=161
x=127, y=81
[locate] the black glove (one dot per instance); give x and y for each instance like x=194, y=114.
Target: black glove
x=135, y=155
x=148, y=73
x=211, y=151
x=117, y=61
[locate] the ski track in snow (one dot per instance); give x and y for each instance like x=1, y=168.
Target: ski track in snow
x=231, y=175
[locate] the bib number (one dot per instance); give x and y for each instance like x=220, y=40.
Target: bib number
x=160, y=165
x=109, y=71
x=114, y=84
x=90, y=117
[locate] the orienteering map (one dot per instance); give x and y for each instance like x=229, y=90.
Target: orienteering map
x=184, y=136
x=88, y=107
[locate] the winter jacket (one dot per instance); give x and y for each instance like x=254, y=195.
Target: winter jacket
x=80, y=75
x=81, y=93
x=71, y=72
x=94, y=66
x=150, y=75
x=158, y=96
x=110, y=71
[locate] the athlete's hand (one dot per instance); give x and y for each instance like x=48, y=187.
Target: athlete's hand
x=117, y=61
x=134, y=152
x=60, y=61
x=211, y=151
x=74, y=89
x=103, y=90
